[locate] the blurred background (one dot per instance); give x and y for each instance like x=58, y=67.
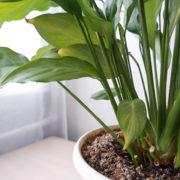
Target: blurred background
x=33, y=111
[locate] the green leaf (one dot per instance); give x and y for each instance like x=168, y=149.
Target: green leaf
x=102, y=95
x=112, y=11
x=46, y=52
x=174, y=14
x=97, y=23
x=47, y=70
x=152, y=8
x=10, y=0
x=129, y=10
x=59, y=30
x=9, y=61
x=17, y=10
x=131, y=16
x=81, y=51
x=132, y=119
x=71, y=6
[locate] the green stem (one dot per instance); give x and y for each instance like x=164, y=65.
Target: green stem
x=155, y=74
x=174, y=70
x=125, y=52
x=148, y=65
x=92, y=113
x=129, y=149
x=163, y=73
x=100, y=70
x=142, y=80
x=172, y=126
x=106, y=57
x=120, y=64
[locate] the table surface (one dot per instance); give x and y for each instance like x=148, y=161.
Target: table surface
x=49, y=159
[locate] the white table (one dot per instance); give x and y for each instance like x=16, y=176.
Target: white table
x=49, y=159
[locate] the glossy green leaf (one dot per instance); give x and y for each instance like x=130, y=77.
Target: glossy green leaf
x=132, y=119
x=17, y=10
x=174, y=14
x=47, y=70
x=131, y=16
x=46, y=52
x=112, y=11
x=129, y=10
x=97, y=23
x=71, y=6
x=9, y=61
x=59, y=30
x=81, y=51
x=102, y=95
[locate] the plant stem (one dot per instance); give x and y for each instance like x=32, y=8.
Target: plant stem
x=142, y=80
x=106, y=57
x=92, y=113
x=163, y=74
x=155, y=74
x=148, y=65
x=98, y=66
x=129, y=149
x=171, y=128
x=174, y=70
x=120, y=64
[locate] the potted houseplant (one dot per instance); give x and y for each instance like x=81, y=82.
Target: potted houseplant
x=90, y=41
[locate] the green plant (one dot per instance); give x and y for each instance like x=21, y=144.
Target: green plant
x=91, y=42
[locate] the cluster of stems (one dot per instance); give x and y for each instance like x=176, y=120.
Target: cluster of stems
x=148, y=145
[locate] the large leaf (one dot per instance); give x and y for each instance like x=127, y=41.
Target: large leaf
x=46, y=70
x=132, y=119
x=97, y=23
x=71, y=6
x=82, y=51
x=46, y=52
x=102, y=95
x=17, y=10
x=174, y=14
x=9, y=61
x=60, y=30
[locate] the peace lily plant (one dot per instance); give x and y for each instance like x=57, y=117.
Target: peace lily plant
x=89, y=41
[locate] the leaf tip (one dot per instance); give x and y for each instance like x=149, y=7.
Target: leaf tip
x=30, y=21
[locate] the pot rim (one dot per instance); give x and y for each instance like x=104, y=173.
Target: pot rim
x=78, y=159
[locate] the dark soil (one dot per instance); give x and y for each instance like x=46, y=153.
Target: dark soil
x=105, y=155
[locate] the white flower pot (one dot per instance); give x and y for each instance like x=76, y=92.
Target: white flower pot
x=86, y=171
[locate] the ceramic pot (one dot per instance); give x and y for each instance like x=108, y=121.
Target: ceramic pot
x=86, y=171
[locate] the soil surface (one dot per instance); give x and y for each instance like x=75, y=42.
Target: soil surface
x=105, y=155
